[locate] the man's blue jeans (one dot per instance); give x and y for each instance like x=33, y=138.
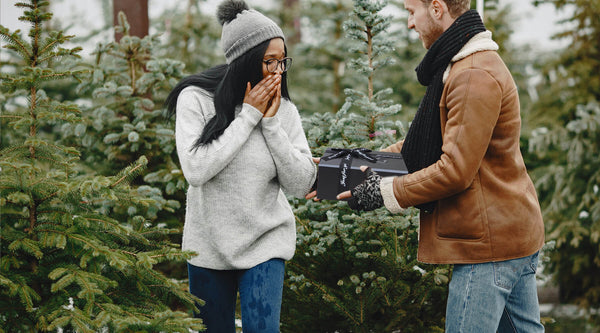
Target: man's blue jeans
x=495, y=296
x=260, y=288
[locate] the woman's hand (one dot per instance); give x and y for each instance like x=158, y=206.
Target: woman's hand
x=274, y=103
x=262, y=95
x=313, y=194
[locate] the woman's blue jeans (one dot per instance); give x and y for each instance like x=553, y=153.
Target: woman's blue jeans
x=260, y=290
x=495, y=296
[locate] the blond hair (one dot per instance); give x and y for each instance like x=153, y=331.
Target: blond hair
x=455, y=7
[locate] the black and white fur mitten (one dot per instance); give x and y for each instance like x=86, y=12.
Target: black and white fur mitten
x=367, y=195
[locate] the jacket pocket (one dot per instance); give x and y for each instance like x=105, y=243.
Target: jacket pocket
x=462, y=216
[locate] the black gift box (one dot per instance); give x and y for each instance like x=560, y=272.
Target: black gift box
x=339, y=169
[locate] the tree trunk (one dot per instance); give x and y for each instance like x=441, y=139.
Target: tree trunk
x=137, y=16
x=291, y=19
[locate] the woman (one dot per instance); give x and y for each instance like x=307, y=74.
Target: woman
x=241, y=146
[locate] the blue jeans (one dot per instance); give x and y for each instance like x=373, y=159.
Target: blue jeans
x=260, y=288
x=494, y=296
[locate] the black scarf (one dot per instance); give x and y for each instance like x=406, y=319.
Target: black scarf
x=423, y=143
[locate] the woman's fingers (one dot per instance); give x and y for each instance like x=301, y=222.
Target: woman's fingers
x=344, y=195
x=267, y=84
x=248, y=88
x=273, y=105
x=261, y=94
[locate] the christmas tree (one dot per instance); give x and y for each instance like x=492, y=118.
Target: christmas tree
x=125, y=88
x=361, y=268
x=69, y=261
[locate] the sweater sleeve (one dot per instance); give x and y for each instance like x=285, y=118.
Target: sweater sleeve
x=296, y=172
x=194, y=110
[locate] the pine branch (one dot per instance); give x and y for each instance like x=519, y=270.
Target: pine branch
x=53, y=42
x=15, y=42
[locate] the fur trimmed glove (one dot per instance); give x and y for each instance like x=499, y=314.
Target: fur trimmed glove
x=367, y=195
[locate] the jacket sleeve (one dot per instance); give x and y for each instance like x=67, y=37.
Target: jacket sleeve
x=394, y=148
x=201, y=164
x=296, y=172
x=473, y=104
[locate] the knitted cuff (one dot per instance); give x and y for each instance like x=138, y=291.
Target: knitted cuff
x=387, y=192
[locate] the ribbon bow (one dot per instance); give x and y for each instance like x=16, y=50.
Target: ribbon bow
x=356, y=152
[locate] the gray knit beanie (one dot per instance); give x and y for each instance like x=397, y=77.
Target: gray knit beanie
x=243, y=28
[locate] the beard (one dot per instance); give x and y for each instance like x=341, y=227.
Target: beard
x=431, y=32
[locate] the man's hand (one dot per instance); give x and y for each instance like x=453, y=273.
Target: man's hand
x=367, y=195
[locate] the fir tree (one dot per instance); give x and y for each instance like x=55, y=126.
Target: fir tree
x=66, y=264
x=566, y=152
x=124, y=90
x=357, y=272
x=320, y=76
x=570, y=196
x=124, y=118
x=570, y=77
x=190, y=36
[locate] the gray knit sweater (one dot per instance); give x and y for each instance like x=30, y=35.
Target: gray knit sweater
x=237, y=215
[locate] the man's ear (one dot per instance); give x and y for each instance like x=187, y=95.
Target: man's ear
x=437, y=9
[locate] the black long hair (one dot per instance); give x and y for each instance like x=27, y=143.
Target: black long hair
x=227, y=84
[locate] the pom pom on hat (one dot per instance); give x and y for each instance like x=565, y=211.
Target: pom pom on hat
x=228, y=10
x=243, y=28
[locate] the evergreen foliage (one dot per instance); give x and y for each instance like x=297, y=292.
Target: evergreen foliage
x=82, y=249
x=321, y=57
x=570, y=78
x=124, y=89
x=361, y=268
x=68, y=263
x=570, y=194
x=400, y=75
x=190, y=36
x=323, y=71
x=565, y=151
x=128, y=85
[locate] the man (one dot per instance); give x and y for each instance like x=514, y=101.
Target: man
x=479, y=208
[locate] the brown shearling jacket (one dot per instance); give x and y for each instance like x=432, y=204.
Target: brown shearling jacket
x=487, y=207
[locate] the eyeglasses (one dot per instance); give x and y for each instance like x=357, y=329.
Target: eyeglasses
x=273, y=64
